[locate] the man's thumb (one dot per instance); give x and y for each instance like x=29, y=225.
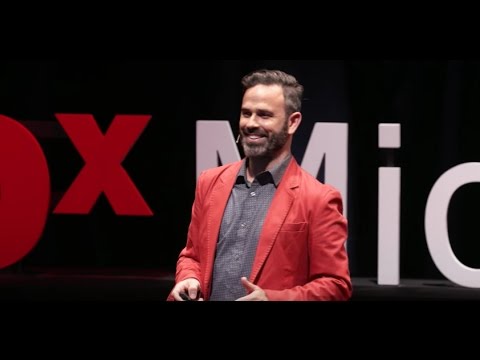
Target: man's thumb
x=248, y=285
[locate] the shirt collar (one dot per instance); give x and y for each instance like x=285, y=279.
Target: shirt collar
x=273, y=175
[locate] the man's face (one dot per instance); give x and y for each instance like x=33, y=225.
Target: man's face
x=263, y=121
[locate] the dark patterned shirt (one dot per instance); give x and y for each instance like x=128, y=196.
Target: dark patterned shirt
x=240, y=229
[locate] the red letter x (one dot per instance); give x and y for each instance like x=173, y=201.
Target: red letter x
x=103, y=155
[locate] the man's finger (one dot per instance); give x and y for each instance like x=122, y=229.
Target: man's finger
x=192, y=293
x=248, y=285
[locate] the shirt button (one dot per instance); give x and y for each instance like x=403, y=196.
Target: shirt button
x=253, y=193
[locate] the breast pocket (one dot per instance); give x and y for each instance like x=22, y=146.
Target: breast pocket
x=294, y=227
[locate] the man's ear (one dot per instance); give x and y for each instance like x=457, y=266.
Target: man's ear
x=294, y=121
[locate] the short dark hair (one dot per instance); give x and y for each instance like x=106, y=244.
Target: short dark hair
x=292, y=89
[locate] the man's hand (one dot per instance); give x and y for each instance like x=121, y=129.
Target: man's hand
x=255, y=293
x=190, y=287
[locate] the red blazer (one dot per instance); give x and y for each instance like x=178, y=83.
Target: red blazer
x=301, y=252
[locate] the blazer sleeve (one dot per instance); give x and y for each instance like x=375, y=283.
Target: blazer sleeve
x=188, y=264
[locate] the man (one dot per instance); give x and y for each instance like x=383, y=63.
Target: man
x=263, y=228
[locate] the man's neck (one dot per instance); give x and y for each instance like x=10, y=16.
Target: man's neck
x=257, y=165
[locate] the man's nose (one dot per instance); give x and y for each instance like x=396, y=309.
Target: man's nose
x=252, y=122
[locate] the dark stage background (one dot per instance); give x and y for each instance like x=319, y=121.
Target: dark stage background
x=436, y=103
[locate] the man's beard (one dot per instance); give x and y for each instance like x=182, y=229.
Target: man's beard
x=274, y=142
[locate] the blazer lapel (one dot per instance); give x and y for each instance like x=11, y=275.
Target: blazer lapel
x=217, y=203
x=281, y=204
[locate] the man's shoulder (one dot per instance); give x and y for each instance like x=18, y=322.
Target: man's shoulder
x=213, y=173
x=310, y=182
